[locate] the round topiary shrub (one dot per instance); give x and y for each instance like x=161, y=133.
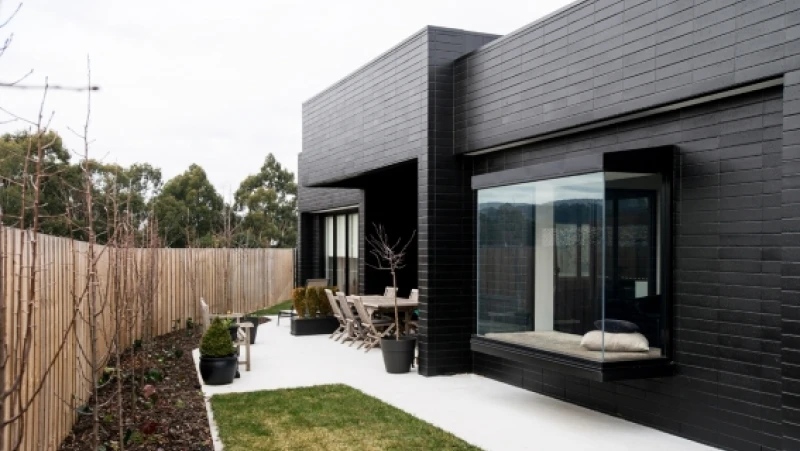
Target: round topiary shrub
x=299, y=301
x=216, y=341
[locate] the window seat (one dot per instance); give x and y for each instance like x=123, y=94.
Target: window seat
x=562, y=352
x=569, y=344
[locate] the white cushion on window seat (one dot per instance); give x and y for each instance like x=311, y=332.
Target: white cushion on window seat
x=627, y=342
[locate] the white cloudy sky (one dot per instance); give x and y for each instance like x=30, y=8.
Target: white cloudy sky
x=215, y=83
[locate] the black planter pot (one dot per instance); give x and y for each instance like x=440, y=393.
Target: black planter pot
x=233, y=329
x=218, y=370
x=314, y=326
x=398, y=355
x=253, y=330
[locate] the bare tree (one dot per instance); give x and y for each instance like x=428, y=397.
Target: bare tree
x=24, y=295
x=389, y=257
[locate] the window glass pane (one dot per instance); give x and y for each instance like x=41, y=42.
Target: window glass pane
x=632, y=252
x=572, y=207
x=329, y=250
x=352, y=254
x=558, y=257
x=341, y=252
x=505, y=259
x=540, y=273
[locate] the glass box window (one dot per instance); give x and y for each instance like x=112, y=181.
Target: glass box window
x=341, y=251
x=562, y=262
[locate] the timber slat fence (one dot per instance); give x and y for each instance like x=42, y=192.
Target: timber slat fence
x=155, y=291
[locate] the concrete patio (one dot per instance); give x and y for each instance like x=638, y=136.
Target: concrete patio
x=483, y=412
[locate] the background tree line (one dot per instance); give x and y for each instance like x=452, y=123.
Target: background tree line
x=187, y=210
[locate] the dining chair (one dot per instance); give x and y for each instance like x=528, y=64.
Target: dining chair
x=352, y=329
x=373, y=330
x=337, y=312
x=388, y=292
x=413, y=325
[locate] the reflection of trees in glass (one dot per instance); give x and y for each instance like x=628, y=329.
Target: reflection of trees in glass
x=506, y=225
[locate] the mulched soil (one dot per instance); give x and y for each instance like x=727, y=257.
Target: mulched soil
x=171, y=418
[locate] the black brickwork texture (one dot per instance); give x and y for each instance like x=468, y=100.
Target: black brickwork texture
x=727, y=275
x=790, y=252
x=375, y=117
x=395, y=109
x=446, y=225
x=601, y=58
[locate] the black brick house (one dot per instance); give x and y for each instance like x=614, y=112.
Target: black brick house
x=633, y=160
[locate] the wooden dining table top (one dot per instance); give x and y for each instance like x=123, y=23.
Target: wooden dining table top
x=377, y=301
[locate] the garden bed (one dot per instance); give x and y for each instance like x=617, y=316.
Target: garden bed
x=171, y=418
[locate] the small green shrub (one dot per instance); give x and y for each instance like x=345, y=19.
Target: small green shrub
x=324, y=304
x=216, y=341
x=312, y=301
x=155, y=375
x=299, y=301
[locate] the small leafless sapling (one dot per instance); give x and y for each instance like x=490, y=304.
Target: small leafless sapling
x=389, y=257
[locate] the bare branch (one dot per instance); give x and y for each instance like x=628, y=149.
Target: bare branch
x=51, y=87
x=388, y=257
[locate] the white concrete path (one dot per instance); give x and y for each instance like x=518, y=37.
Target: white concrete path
x=486, y=413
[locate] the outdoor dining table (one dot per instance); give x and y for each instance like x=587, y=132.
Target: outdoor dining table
x=373, y=303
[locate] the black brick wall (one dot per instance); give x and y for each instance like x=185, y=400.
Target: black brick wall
x=393, y=110
x=727, y=275
x=601, y=58
x=446, y=225
x=373, y=118
x=790, y=269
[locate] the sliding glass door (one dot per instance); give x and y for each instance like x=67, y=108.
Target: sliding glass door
x=341, y=251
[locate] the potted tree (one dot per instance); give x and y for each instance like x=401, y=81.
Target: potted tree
x=398, y=351
x=218, y=361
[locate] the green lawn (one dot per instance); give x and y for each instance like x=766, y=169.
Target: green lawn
x=327, y=417
x=285, y=305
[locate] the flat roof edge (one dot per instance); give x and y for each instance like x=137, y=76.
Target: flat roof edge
x=389, y=52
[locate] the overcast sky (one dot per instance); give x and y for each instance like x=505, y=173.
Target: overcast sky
x=215, y=83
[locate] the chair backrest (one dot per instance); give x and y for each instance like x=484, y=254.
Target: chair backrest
x=414, y=296
x=388, y=292
x=344, y=306
x=206, y=315
x=316, y=283
x=337, y=312
x=362, y=312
